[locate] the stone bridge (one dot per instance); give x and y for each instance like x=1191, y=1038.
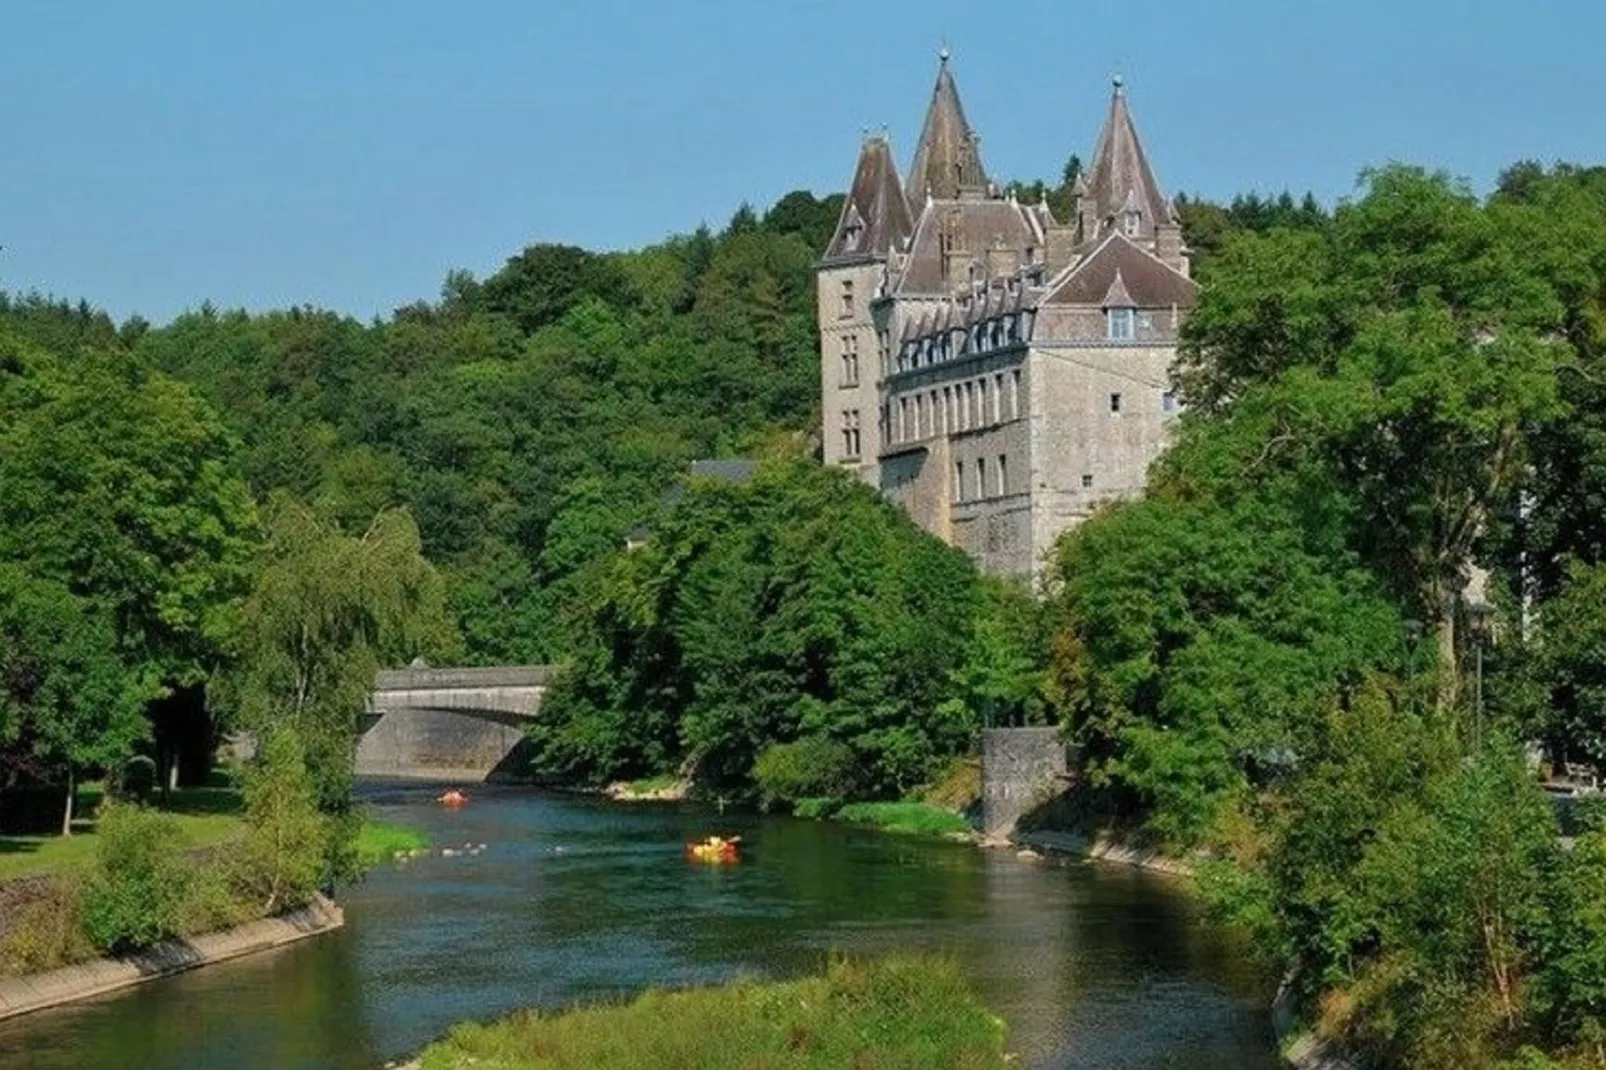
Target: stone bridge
x=450, y=724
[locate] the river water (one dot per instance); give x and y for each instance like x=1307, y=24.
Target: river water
x=571, y=898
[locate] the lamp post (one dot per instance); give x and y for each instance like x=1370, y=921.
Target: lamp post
x=1411, y=632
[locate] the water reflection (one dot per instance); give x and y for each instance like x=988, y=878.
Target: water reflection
x=574, y=899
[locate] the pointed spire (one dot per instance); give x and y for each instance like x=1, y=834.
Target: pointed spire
x=875, y=215
x=948, y=159
x=1120, y=181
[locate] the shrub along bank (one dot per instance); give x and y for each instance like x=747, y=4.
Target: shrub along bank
x=899, y=1014
x=148, y=880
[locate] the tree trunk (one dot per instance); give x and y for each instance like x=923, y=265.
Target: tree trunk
x=172, y=769
x=66, y=814
x=1449, y=677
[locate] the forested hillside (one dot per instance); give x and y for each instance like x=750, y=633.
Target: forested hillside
x=530, y=420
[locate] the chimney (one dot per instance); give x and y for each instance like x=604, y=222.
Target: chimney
x=1168, y=246
x=1061, y=249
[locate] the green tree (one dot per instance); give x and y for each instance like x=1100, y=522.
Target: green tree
x=1413, y=348
x=66, y=701
x=327, y=611
x=282, y=858
x=794, y=606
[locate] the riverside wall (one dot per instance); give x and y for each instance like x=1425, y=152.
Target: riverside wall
x=53, y=988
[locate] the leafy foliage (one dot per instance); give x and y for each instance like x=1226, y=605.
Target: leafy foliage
x=812, y=767
x=796, y=606
x=327, y=611
x=138, y=892
x=282, y=859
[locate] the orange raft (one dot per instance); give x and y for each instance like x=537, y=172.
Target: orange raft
x=452, y=798
x=716, y=850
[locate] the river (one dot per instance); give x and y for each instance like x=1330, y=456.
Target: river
x=1091, y=966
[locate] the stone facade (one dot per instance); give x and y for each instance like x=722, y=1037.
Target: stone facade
x=995, y=370
x=451, y=724
x=1021, y=768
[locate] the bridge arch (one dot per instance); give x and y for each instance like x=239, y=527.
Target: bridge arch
x=450, y=724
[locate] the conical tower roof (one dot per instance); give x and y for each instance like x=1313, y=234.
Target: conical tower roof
x=1120, y=179
x=875, y=216
x=948, y=158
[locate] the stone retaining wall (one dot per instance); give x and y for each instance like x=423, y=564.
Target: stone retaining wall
x=22, y=995
x=1021, y=768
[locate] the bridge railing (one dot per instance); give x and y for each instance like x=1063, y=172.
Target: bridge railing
x=450, y=679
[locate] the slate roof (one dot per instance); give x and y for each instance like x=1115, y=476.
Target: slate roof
x=1121, y=178
x=875, y=216
x=1145, y=281
x=974, y=227
x=947, y=161
x=731, y=470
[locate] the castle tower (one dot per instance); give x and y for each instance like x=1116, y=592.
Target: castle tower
x=947, y=164
x=875, y=222
x=1122, y=193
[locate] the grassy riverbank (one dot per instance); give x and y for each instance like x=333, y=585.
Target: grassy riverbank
x=381, y=841
x=204, y=816
x=899, y=1014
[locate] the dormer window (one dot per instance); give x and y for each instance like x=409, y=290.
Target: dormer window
x=850, y=235
x=1122, y=324
x=1133, y=222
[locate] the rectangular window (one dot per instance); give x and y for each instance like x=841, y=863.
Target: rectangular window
x=1115, y=402
x=966, y=406
x=1168, y=401
x=847, y=298
x=937, y=427
x=920, y=416
x=1121, y=324
x=1003, y=475
x=1014, y=396
x=903, y=420
x=1087, y=480
x=949, y=416
x=998, y=398
x=981, y=403
x=981, y=477
x=959, y=480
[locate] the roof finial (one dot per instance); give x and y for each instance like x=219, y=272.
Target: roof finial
x=943, y=53
x=1120, y=85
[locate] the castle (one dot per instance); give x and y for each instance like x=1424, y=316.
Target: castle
x=997, y=371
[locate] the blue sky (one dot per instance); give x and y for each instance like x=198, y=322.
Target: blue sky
x=345, y=154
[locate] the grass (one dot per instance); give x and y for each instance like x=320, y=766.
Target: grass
x=381, y=841
x=207, y=816
x=653, y=784
x=908, y=818
x=908, y=1013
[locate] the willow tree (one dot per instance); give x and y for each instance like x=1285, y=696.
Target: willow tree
x=328, y=610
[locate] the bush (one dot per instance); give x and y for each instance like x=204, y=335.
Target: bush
x=283, y=857
x=138, y=778
x=817, y=809
x=810, y=767
x=47, y=933
x=137, y=894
